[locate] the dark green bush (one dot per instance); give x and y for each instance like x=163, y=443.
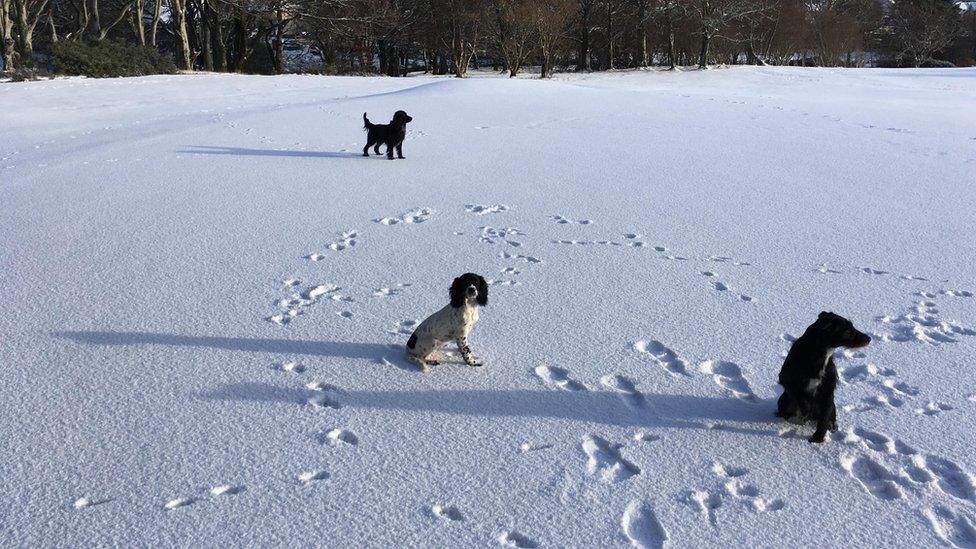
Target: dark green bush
x=109, y=58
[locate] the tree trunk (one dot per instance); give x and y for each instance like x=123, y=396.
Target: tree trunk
x=7, y=35
x=672, y=54
x=610, y=35
x=220, y=42
x=583, y=63
x=52, y=27
x=183, y=52
x=241, y=51
x=279, y=42
x=157, y=12
x=642, y=31
x=703, y=54
x=137, y=24
x=206, y=29
x=25, y=31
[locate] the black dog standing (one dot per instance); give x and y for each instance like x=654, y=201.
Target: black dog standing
x=392, y=134
x=809, y=376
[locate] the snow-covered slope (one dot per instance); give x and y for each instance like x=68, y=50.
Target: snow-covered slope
x=206, y=291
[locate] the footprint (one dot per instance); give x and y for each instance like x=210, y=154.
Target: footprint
x=390, y=291
x=663, y=356
x=527, y=447
x=955, y=529
x=876, y=441
x=484, y=209
x=869, y=270
x=566, y=221
x=872, y=476
x=417, y=215
x=515, y=539
x=404, y=327
x=346, y=240
x=309, y=477
x=291, y=367
x=339, y=437
x=933, y=408
x=645, y=437
x=344, y=314
x=526, y=258
x=178, y=502
x=323, y=402
x=558, y=378
x=84, y=503
x=728, y=375
x=719, y=286
x=642, y=528
x=447, y=512
x=625, y=387
x=951, y=478
x=226, y=490
x=737, y=488
x=728, y=471
x=707, y=504
x=494, y=235
x=604, y=460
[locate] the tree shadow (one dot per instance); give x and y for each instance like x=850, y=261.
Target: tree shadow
x=342, y=349
x=237, y=151
x=596, y=407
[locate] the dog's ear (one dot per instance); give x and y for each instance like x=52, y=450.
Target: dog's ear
x=457, y=293
x=482, y=291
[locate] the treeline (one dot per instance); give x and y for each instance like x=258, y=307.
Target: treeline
x=395, y=37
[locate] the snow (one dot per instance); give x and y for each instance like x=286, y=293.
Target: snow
x=206, y=293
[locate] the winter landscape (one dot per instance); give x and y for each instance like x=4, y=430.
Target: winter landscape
x=208, y=290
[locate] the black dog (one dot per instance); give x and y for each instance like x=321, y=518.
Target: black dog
x=809, y=376
x=392, y=134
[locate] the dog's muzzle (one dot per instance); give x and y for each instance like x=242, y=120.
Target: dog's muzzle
x=471, y=291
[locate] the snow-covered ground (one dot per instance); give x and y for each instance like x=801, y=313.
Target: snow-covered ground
x=206, y=291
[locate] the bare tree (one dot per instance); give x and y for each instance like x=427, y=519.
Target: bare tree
x=27, y=14
x=551, y=18
x=514, y=32
x=922, y=28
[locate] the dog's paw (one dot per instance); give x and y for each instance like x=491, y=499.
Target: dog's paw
x=817, y=438
x=476, y=364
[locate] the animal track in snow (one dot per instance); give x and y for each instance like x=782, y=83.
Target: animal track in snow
x=526, y=258
x=663, y=357
x=625, y=387
x=862, y=372
x=925, y=325
x=641, y=527
x=339, y=437
x=84, y=503
x=566, y=221
x=603, y=460
x=706, y=503
x=557, y=378
x=346, y=240
x=448, y=512
x=872, y=476
x=391, y=290
x=512, y=538
x=953, y=528
x=933, y=408
x=527, y=447
x=296, y=303
x=726, y=259
x=645, y=437
x=492, y=235
x=226, y=490
x=416, y=215
x=292, y=367
x=728, y=375
x=404, y=327
x=950, y=478
x=484, y=209
x=308, y=477
x=178, y=502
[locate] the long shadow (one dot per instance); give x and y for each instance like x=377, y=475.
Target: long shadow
x=598, y=407
x=236, y=151
x=344, y=349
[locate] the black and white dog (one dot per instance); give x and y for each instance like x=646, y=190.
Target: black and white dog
x=452, y=323
x=809, y=376
x=391, y=135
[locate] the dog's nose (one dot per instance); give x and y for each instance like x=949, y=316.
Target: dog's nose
x=472, y=290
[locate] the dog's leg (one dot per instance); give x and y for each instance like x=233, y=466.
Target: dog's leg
x=421, y=363
x=462, y=343
x=399, y=149
x=389, y=151
x=366, y=148
x=376, y=149
x=825, y=410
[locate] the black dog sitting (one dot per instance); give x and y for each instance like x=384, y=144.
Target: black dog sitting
x=392, y=134
x=809, y=376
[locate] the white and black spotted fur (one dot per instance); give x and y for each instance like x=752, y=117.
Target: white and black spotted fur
x=809, y=376
x=452, y=323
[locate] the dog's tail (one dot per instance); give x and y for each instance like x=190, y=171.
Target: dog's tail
x=366, y=123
